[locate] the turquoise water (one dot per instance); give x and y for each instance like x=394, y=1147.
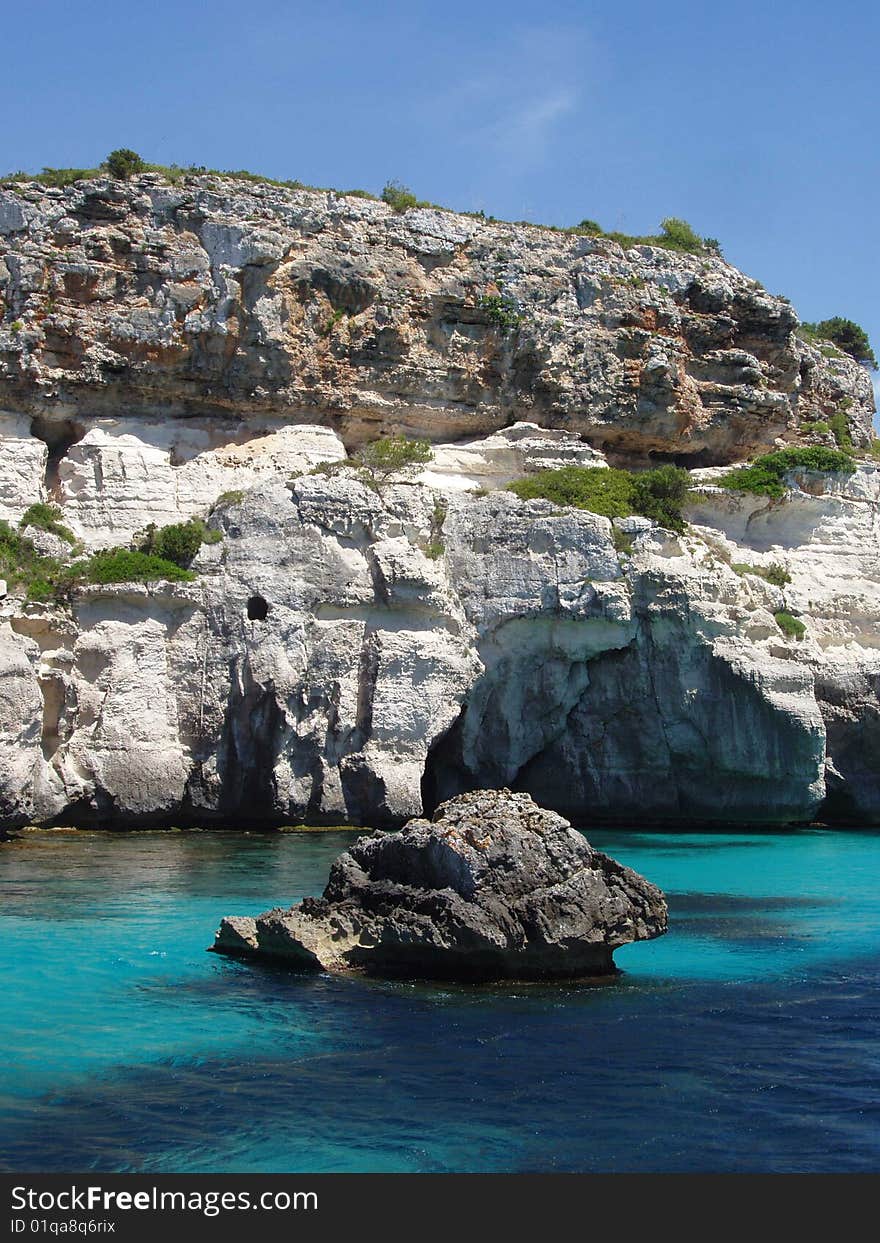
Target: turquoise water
x=746, y=1039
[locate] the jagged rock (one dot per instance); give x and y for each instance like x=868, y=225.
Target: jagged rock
x=494, y=887
x=222, y=298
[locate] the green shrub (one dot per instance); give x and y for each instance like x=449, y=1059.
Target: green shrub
x=678, y=235
x=381, y=459
x=327, y=468
x=600, y=490
x=124, y=163
x=675, y=234
x=773, y=573
x=435, y=549
x=791, y=626
x=233, y=497
x=178, y=542
x=846, y=335
x=660, y=494
x=45, y=518
x=838, y=425
x=22, y=566
x=657, y=494
x=501, y=310
x=777, y=574
x=819, y=428
x=765, y=476
x=398, y=196
x=124, y=565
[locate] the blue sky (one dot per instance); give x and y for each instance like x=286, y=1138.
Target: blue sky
x=756, y=123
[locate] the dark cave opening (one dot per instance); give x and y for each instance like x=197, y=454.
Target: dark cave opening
x=58, y=435
x=257, y=608
x=442, y=777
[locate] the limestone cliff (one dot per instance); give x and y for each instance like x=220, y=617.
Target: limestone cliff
x=216, y=297
x=168, y=351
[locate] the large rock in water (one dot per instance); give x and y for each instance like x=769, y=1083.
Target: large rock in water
x=494, y=887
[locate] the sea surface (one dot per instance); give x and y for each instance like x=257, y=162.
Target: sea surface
x=747, y=1039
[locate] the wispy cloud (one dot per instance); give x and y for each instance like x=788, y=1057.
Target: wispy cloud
x=524, y=131
x=515, y=103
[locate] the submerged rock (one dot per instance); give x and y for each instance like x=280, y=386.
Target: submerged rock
x=493, y=887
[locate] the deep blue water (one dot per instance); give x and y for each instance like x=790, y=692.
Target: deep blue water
x=747, y=1039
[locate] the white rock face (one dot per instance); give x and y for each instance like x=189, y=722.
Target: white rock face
x=22, y=467
x=826, y=535
x=352, y=655
x=21, y=719
x=496, y=460
x=124, y=739
x=124, y=474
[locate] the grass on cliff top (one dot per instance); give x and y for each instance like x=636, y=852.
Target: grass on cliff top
x=658, y=494
x=59, y=178
x=675, y=233
x=765, y=476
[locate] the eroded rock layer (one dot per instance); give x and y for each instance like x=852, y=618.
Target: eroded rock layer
x=223, y=298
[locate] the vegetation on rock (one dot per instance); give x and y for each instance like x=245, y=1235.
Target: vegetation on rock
x=124, y=163
x=398, y=196
x=380, y=460
x=791, y=626
x=126, y=565
x=46, y=518
x=774, y=573
x=22, y=566
x=846, y=335
x=177, y=543
x=163, y=554
x=838, y=425
x=675, y=234
x=658, y=494
x=765, y=476
x=501, y=310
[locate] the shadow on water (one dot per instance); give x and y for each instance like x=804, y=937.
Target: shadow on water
x=416, y=1078
x=717, y=903
x=743, y=921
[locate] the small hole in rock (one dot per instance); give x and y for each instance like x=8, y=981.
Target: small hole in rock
x=257, y=608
